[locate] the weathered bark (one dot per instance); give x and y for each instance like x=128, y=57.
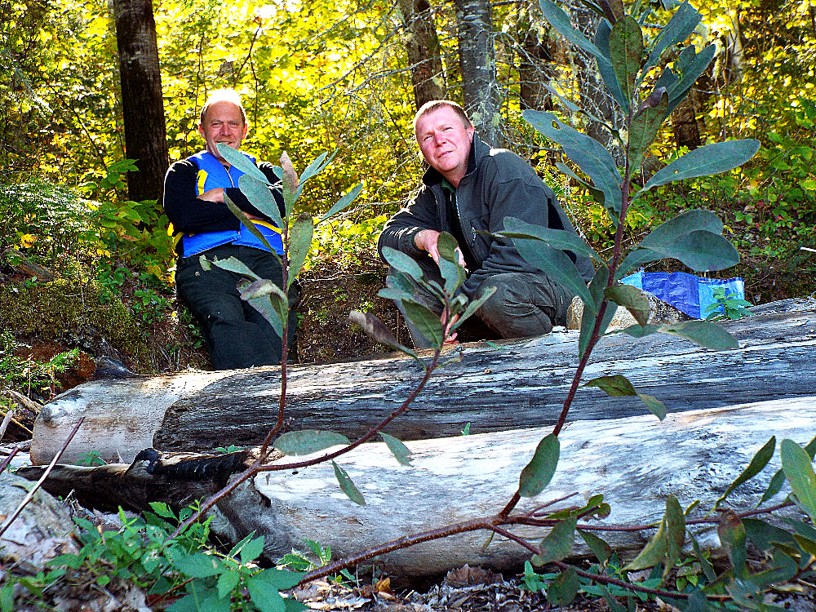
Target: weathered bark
x=424, y=52
x=513, y=385
x=477, y=59
x=142, y=104
x=635, y=462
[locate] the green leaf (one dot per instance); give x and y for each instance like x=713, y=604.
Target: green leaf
x=562, y=590
x=757, y=464
x=779, y=478
x=691, y=65
x=631, y=298
x=264, y=594
x=377, y=330
x=626, y=52
x=308, y=441
x=681, y=25
x=268, y=299
x=558, y=239
x=426, y=321
x=667, y=234
x=704, y=161
x=473, y=306
x=252, y=550
x=599, y=547
x=596, y=290
x=618, y=385
x=232, y=264
x=198, y=565
x=589, y=154
x=645, y=126
x=343, y=202
x=401, y=452
x=241, y=161
x=278, y=579
x=733, y=538
x=667, y=543
x=261, y=197
x=452, y=273
x=555, y=263
x=560, y=21
x=557, y=544
x=706, y=334
x=702, y=251
x=402, y=262
x=766, y=536
x=227, y=582
x=606, y=69
x=799, y=471
x=300, y=241
x=537, y=474
x=347, y=486
x=317, y=166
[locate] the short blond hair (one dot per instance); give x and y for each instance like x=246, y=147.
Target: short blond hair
x=223, y=95
x=434, y=105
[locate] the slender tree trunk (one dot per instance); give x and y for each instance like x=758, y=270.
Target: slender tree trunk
x=424, y=54
x=142, y=106
x=477, y=59
x=535, y=61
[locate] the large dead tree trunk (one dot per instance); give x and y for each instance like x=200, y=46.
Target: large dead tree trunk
x=499, y=387
x=635, y=462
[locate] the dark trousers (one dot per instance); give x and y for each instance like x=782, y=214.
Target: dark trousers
x=524, y=305
x=237, y=335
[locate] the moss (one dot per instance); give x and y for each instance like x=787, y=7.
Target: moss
x=70, y=312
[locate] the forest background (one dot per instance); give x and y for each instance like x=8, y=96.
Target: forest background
x=85, y=100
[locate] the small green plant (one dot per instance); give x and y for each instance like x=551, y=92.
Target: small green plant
x=90, y=459
x=727, y=305
x=30, y=375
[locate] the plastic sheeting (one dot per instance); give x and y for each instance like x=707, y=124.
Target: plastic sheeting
x=688, y=293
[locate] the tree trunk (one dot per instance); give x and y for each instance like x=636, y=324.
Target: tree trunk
x=142, y=105
x=477, y=59
x=493, y=387
x=634, y=462
x=424, y=52
x=535, y=64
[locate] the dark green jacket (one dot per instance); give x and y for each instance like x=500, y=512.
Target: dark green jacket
x=498, y=184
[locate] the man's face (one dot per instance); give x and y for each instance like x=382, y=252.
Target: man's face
x=445, y=142
x=223, y=123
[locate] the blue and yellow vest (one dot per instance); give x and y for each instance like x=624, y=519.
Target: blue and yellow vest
x=211, y=175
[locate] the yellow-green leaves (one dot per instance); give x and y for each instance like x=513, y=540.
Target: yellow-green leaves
x=666, y=545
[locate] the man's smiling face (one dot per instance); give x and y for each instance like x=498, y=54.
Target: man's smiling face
x=224, y=124
x=445, y=142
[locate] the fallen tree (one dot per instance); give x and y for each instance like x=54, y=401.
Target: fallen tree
x=636, y=462
x=492, y=387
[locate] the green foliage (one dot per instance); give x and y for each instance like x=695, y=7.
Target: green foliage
x=28, y=374
x=727, y=305
x=141, y=553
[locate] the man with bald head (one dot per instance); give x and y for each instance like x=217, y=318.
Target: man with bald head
x=195, y=190
x=468, y=190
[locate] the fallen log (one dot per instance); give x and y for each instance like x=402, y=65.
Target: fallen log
x=635, y=462
x=492, y=387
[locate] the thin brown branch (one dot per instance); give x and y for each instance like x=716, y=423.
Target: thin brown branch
x=30, y=495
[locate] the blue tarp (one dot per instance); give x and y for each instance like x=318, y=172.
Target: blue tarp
x=688, y=293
